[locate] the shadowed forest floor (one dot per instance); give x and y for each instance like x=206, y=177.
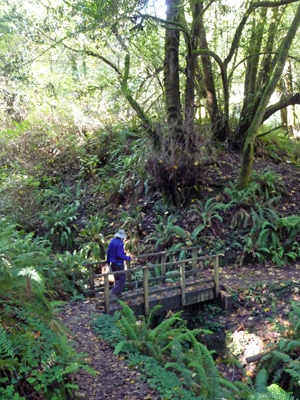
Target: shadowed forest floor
x=261, y=298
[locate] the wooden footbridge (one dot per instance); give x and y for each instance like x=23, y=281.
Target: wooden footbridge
x=173, y=278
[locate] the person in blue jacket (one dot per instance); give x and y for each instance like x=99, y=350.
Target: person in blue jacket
x=116, y=257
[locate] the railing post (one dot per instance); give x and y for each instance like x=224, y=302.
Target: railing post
x=216, y=276
x=163, y=266
x=106, y=294
x=146, y=291
x=182, y=283
x=91, y=277
x=128, y=273
x=194, y=261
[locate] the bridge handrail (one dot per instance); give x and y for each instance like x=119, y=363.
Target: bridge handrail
x=169, y=251
x=145, y=268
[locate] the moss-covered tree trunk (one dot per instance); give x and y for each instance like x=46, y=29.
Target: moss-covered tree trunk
x=247, y=160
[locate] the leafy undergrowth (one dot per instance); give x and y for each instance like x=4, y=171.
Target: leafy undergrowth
x=260, y=317
x=164, y=354
x=67, y=205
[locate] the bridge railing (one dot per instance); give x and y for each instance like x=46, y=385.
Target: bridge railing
x=178, y=268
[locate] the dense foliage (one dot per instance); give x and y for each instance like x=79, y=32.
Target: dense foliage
x=121, y=114
x=36, y=359
x=179, y=366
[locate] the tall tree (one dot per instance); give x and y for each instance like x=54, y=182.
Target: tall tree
x=247, y=160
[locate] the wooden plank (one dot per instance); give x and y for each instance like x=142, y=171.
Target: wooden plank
x=168, y=303
x=200, y=296
x=182, y=283
x=146, y=291
x=159, y=289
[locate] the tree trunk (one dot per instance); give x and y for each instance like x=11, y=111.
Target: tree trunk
x=247, y=160
x=171, y=70
x=251, y=93
x=219, y=130
x=191, y=67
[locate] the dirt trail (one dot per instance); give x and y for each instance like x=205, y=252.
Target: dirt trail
x=115, y=380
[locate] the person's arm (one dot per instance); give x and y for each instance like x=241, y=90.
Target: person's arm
x=121, y=253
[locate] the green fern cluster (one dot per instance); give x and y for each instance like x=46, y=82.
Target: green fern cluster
x=59, y=223
x=269, y=184
x=166, y=233
x=155, y=342
x=282, y=363
x=263, y=392
x=244, y=208
x=171, y=343
x=275, y=237
x=210, y=217
x=91, y=239
x=35, y=359
x=176, y=364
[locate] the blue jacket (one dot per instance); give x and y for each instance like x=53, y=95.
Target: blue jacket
x=115, y=252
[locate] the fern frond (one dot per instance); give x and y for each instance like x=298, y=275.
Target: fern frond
x=291, y=345
x=153, y=314
x=278, y=393
x=125, y=344
x=261, y=381
x=6, y=347
x=9, y=364
x=165, y=325
x=128, y=329
x=127, y=312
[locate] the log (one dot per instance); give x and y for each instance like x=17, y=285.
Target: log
x=259, y=356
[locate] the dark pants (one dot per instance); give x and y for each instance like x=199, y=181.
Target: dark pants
x=119, y=278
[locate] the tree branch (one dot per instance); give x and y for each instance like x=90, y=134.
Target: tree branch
x=127, y=93
x=271, y=130
x=105, y=60
x=282, y=103
x=223, y=74
x=239, y=30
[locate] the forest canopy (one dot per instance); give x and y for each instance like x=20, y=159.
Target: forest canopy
x=102, y=102
x=187, y=73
